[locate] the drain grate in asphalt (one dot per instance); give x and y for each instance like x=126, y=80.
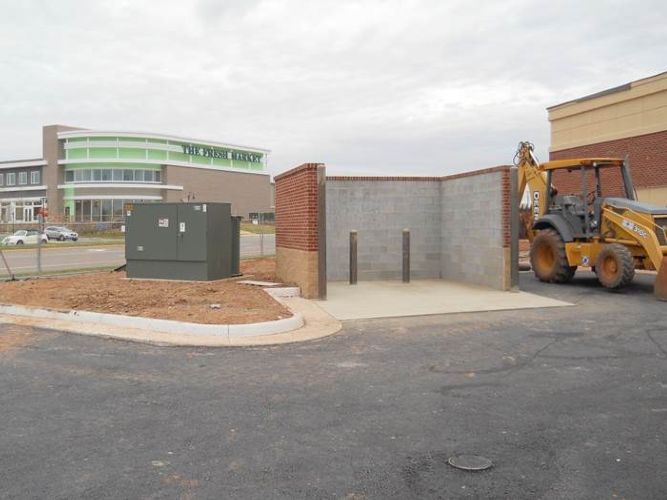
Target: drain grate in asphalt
x=470, y=462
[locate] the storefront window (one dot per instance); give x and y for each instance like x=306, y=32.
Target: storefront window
x=86, y=210
x=18, y=211
x=97, y=210
x=101, y=210
x=117, y=209
x=78, y=212
x=110, y=175
x=106, y=210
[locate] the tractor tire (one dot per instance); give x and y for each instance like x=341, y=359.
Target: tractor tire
x=548, y=258
x=615, y=266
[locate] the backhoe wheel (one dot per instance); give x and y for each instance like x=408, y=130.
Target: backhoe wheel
x=615, y=266
x=548, y=258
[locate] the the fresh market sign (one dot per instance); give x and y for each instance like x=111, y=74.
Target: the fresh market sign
x=225, y=154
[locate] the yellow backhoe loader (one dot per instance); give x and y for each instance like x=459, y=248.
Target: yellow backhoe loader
x=612, y=235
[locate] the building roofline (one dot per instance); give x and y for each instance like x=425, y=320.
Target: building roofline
x=27, y=160
x=125, y=133
x=38, y=162
x=612, y=90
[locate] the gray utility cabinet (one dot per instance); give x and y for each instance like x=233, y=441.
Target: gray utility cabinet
x=182, y=241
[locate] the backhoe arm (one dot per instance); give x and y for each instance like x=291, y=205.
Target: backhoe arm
x=531, y=175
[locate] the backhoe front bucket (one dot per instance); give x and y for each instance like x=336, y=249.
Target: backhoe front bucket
x=660, y=287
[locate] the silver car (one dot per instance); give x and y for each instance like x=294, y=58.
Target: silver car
x=60, y=233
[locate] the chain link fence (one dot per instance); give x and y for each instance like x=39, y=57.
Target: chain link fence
x=34, y=249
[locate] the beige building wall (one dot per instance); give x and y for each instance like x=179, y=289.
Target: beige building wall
x=656, y=196
x=630, y=110
x=246, y=192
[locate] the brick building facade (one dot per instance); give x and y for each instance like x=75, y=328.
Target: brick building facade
x=629, y=120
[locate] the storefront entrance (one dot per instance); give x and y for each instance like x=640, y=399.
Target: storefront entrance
x=19, y=211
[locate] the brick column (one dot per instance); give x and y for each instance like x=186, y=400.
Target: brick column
x=300, y=229
x=511, y=224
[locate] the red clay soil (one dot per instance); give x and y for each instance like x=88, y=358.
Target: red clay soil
x=183, y=301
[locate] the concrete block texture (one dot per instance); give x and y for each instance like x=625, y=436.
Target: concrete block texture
x=472, y=247
x=456, y=227
x=379, y=211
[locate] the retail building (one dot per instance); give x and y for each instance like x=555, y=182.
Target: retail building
x=88, y=175
x=629, y=120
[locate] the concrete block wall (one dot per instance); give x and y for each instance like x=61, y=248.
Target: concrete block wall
x=379, y=208
x=461, y=227
x=475, y=228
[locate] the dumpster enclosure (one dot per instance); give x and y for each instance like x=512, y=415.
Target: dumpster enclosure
x=461, y=227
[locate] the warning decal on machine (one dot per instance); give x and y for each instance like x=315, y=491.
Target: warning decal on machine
x=163, y=222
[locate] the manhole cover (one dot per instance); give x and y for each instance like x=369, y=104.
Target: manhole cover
x=470, y=462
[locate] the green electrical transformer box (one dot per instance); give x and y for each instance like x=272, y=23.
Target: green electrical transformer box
x=182, y=241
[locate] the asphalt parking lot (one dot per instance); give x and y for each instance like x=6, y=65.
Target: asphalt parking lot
x=568, y=403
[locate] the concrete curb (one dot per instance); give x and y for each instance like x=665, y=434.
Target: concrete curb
x=159, y=325
x=283, y=292
x=312, y=323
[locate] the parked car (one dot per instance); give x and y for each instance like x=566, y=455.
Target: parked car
x=60, y=233
x=25, y=237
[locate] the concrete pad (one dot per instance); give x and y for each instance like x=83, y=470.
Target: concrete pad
x=386, y=299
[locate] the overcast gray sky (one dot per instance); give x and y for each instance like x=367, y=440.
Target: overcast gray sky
x=421, y=87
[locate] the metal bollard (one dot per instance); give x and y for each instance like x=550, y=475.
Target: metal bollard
x=353, y=257
x=406, y=256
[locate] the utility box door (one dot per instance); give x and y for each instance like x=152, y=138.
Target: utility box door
x=192, y=232
x=151, y=233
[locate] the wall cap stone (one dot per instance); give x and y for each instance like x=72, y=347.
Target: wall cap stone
x=297, y=170
x=490, y=170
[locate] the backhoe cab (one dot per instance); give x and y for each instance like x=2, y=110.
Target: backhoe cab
x=612, y=235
